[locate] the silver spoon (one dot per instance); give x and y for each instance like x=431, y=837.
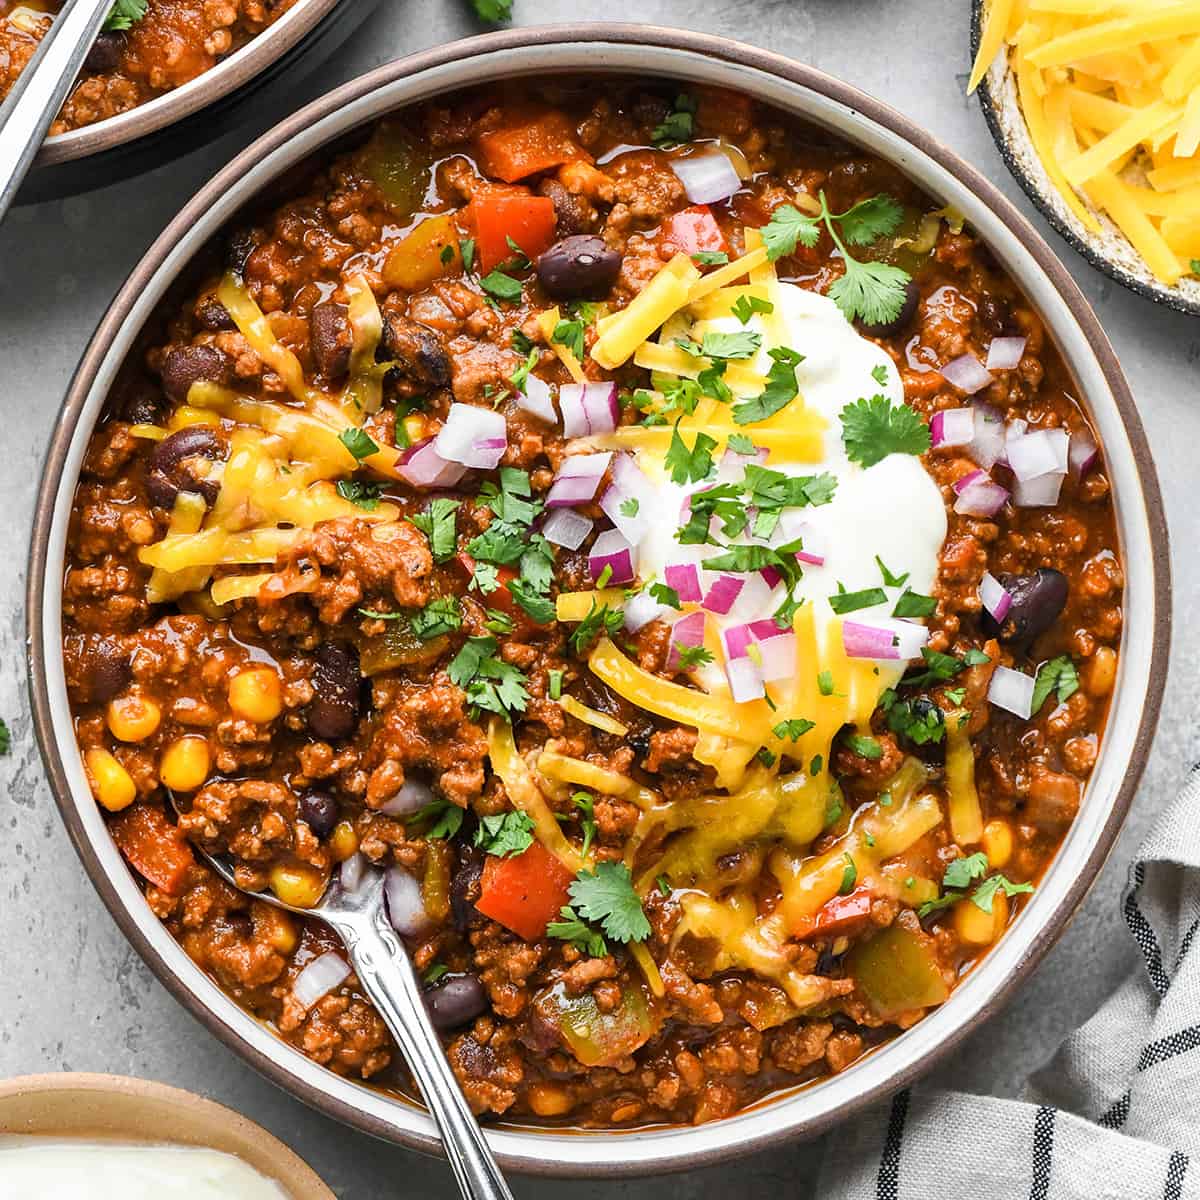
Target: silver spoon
x=382, y=965
x=42, y=87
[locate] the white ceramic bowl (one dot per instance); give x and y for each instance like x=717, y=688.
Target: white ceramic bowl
x=637, y=50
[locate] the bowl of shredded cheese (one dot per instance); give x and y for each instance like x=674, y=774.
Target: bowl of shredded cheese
x=1095, y=106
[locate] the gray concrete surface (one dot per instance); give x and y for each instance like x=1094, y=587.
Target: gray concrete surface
x=74, y=996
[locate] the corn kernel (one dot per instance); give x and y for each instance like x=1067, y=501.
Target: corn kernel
x=343, y=841
x=997, y=843
x=189, y=414
x=112, y=784
x=275, y=927
x=132, y=718
x=184, y=764
x=977, y=928
x=299, y=886
x=415, y=426
x=549, y=1099
x=256, y=694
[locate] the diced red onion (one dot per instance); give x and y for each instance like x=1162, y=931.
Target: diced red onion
x=772, y=576
x=611, y=549
x=706, y=178
x=778, y=656
x=883, y=639
x=684, y=579
x=733, y=464
x=353, y=871
x=577, y=479
x=629, y=483
x=1041, y=491
x=993, y=596
x=967, y=374
x=319, y=977
x=1042, y=452
x=687, y=631
x=1013, y=432
x=738, y=638
x=1012, y=691
x=641, y=609
x=588, y=408
x=564, y=527
x=423, y=467
x=952, y=427
x=406, y=909
x=745, y=680
x=753, y=598
x=411, y=798
x=978, y=495
x=473, y=436
x=791, y=527
x=724, y=591
x=987, y=446
x=1083, y=452
x=1005, y=353
x=536, y=399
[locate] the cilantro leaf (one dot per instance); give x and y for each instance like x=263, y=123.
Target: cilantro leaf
x=745, y=306
x=985, y=893
x=466, y=247
x=124, y=14
x=606, y=896
x=446, y=819
x=598, y=620
x=501, y=542
x=872, y=292
x=689, y=466
x=503, y=287
x=847, y=602
x=792, y=729
x=849, y=876
x=666, y=595
x=1195, y=266
x=485, y=578
x=466, y=663
x=870, y=220
x=537, y=564
x=787, y=228
x=913, y=604
x=540, y=609
x=488, y=682
x=743, y=343
x=630, y=506
x=436, y=972
x=710, y=258
x=1059, y=675
x=825, y=683
x=711, y=382
x=687, y=657
x=739, y=443
x=864, y=746
x=960, y=873
x=437, y=523
x=493, y=11
x=781, y=388
x=520, y=377
x=5, y=737
x=440, y=616
x=581, y=935
x=569, y=334
x=872, y=429
x=921, y=723
x=505, y=834
x=678, y=125
x=890, y=579
x=357, y=491
x=358, y=442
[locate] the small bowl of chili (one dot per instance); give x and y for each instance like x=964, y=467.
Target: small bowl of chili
x=163, y=79
x=668, y=512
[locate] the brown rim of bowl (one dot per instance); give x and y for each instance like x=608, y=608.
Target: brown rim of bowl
x=134, y=1109
x=1160, y=293
x=738, y=54
x=220, y=80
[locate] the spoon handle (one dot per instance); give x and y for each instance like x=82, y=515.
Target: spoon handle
x=384, y=969
x=42, y=87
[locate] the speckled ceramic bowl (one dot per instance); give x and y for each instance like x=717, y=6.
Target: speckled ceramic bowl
x=177, y=122
x=694, y=58
x=117, y=1108
x=1110, y=250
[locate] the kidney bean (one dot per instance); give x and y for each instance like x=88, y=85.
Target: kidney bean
x=186, y=365
x=455, y=1000
x=331, y=339
x=172, y=468
x=333, y=712
x=417, y=351
x=1038, y=599
x=105, y=54
x=212, y=315
x=319, y=811
x=97, y=668
x=578, y=266
x=912, y=297
x=572, y=214
x=465, y=887
x=241, y=244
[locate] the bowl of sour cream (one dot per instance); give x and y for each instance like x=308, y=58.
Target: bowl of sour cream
x=95, y=1136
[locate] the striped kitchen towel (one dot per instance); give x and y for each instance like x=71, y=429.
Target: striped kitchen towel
x=1114, y=1114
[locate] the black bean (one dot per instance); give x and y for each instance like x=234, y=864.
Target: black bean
x=887, y=329
x=331, y=339
x=465, y=887
x=578, y=267
x=333, y=712
x=212, y=315
x=319, y=811
x=572, y=214
x=993, y=314
x=173, y=466
x=105, y=54
x=455, y=1000
x=418, y=352
x=144, y=406
x=186, y=365
x=1037, y=601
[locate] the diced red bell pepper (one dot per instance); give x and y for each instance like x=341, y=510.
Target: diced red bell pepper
x=500, y=215
x=524, y=893
x=524, y=147
x=692, y=231
x=843, y=915
x=153, y=847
